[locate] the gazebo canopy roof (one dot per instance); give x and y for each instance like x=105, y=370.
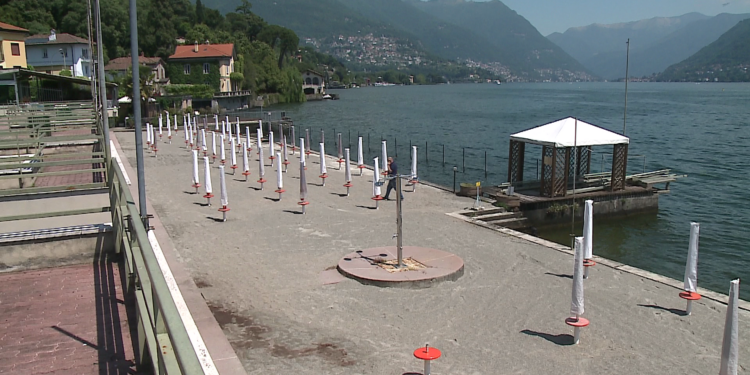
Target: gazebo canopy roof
x=569, y=133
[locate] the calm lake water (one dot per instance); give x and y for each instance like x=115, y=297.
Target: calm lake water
x=702, y=130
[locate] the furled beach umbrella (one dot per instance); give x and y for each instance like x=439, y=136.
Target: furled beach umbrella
x=175, y=122
x=730, y=344
x=302, y=180
x=207, y=182
x=576, y=303
x=216, y=123
x=192, y=136
x=384, y=161
x=414, y=180
x=279, y=175
x=260, y=127
x=270, y=147
x=229, y=129
x=237, y=133
x=376, y=184
x=691, y=269
x=203, y=143
x=302, y=152
x=223, y=150
x=154, y=145
x=188, y=120
x=148, y=135
x=187, y=135
x=233, y=157
x=323, y=170
x=224, y=199
x=307, y=141
x=588, y=237
x=259, y=135
x=360, y=158
x=223, y=130
x=196, y=181
x=169, y=133
x=160, y=126
x=245, y=163
x=294, y=143
x=261, y=168
x=213, y=146
x=284, y=153
x=347, y=172
x=339, y=149
x=322, y=136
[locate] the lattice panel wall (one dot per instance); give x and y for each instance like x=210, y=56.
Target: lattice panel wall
x=515, y=161
x=560, y=181
x=548, y=156
x=619, y=166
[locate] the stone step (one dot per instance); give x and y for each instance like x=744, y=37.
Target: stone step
x=490, y=211
x=499, y=216
x=513, y=223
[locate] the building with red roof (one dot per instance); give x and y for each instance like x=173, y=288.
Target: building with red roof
x=12, y=46
x=210, y=64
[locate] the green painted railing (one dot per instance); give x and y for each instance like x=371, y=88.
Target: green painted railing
x=162, y=338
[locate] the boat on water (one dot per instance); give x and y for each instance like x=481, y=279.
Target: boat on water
x=381, y=84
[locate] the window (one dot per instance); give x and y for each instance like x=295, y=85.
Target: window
x=206, y=68
x=187, y=68
x=86, y=70
x=15, y=49
x=44, y=53
x=85, y=53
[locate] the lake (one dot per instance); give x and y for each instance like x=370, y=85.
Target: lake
x=701, y=130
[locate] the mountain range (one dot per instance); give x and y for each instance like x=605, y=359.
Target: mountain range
x=725, y=60
x=484, y=34
x=655, y=43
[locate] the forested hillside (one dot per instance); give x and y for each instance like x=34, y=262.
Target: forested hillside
x=262, y=49
x=725, y=60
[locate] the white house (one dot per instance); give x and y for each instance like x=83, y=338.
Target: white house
x=53, y=53
x=313, y=82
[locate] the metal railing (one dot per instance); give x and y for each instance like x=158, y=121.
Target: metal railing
x=162, y=336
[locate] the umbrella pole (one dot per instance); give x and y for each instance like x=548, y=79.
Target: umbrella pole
x=689, y=308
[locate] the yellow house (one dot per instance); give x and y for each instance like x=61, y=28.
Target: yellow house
x=12, y=46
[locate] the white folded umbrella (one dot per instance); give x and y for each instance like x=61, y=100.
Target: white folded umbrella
x=576, y=302
x=385, y=157
x=223, y=130
x=375, y=178
x=175, y=122
x=187, y=136
x=192, y=136
x=223, y=151
x=302, y=180
x=347, y=167
x=213, y=144
x=259, y=134
x=233, y=155
x=340, y=147
x=413, y=163
x=691, y=266
x=260, y=127
x=207, y=178
x=270, y=145
x=323, y=169
x=229, y=128
x=207, y=175
x=216, y=123
x=203, y=140
x=188, y=119
x=196, y=180
x=588, y=229
x=245, y=162
x=261, y=166
x=302, y=151
x=294, y=142
x=148, y=134
x=730, y=344
x=284, y=151
x=237, y=131
x=279, y=175
x=160, y=128
x=247, y=137
x=223, y=183
x=307, y=139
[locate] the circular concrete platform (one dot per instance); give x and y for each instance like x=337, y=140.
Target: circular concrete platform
x=427, y=266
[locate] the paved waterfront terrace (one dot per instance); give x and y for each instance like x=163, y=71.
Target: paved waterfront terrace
x=268, y=274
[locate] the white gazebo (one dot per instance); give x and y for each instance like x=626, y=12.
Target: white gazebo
x=566, y=151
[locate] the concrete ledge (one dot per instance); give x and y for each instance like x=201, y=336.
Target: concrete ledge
x=718, y=297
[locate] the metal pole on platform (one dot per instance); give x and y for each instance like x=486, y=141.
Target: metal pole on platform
x=399, y=224
x=136, y=95
x=102, y=78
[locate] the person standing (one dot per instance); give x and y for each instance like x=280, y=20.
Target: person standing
x=393, y=175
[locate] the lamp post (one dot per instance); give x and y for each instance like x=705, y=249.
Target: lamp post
x=455, y=169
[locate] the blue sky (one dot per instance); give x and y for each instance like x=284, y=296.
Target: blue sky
x=549, y=16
